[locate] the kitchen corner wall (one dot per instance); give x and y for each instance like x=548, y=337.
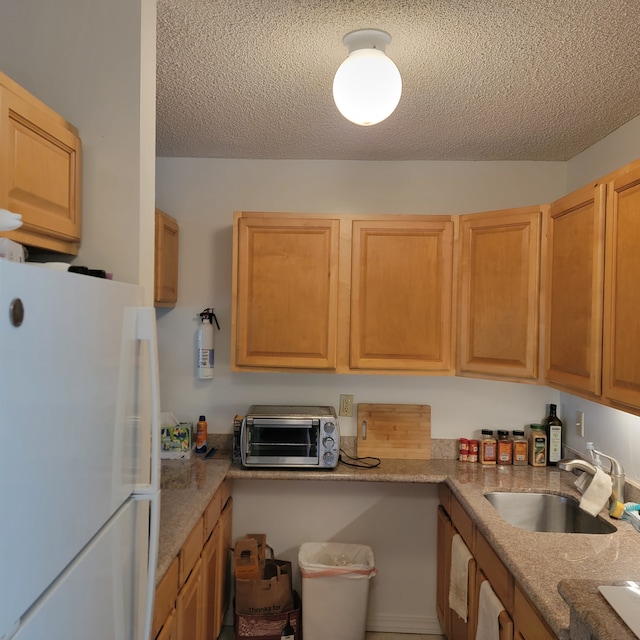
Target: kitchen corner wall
x=613, y=432
x=202, y=195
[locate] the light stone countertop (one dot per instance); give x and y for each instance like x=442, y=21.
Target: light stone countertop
x=595, y=616
x=538, y=561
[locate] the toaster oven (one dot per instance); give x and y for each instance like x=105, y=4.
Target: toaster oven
x=290, y=436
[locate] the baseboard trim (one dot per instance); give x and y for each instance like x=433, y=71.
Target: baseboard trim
x=404, y=624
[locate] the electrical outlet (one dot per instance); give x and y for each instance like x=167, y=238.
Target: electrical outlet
x=346, y=405
x=580, y=424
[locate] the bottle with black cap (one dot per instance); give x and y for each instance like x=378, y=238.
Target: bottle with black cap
x=553, y=426
x=288, y=632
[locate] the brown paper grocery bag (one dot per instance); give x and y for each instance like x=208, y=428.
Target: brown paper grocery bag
x=270, y=594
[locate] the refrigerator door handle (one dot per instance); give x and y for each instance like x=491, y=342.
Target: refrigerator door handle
x=146, y=330
x=154, y=531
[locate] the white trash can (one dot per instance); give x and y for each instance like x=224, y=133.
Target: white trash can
x=335, y=589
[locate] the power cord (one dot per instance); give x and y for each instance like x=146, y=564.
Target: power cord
x=359, y=463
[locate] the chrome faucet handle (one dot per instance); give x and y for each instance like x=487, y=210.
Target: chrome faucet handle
x=616, y=467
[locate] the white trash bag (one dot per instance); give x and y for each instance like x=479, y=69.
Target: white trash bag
x=325, y=559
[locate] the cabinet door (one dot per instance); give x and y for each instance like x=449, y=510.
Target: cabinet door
x=211, y=587
x=189, y=606
x=169, y=628
x=40, y=171
x=499, y=294
x=401, y=279
x=285, y=292
x=528, y=625
x=621, y=357
x=445, y=534
x=165, y=598
x=574, y=247
x=224, y=561
x=505, y=624
x=166, y=260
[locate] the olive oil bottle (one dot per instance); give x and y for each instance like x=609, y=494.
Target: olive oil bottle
x=553, y=427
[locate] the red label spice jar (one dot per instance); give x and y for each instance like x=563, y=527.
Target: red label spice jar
x=474, y=446
x=464, y=450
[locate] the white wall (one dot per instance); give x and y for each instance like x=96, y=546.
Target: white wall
x=617, y=149
x=397, y=521
x=85, y=59
x=202, y=194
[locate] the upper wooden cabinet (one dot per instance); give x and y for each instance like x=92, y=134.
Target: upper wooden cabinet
x=166, y=260
x=285, y=291
x=621, y=371
x=401, y=278
x=499, y=294
x=342, y=293
x=40, y=171
x=574, y=256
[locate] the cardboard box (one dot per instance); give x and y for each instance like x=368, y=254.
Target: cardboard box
x=246, y=565
x=261, y=539
x=176, y=442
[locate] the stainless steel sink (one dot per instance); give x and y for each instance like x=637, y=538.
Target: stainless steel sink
x=546, y=512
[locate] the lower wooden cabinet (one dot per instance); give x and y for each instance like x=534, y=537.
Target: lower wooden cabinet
x=190, y=606
x=519, y=620
x=505, y=623
x=169, y=628
x=193, y=595
x=528, y=625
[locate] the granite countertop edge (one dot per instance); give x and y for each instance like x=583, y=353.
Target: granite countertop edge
x=537, y=560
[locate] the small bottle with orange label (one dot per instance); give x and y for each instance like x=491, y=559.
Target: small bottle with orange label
x=201, y=435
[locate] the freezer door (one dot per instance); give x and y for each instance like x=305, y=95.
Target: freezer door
x=74, y=430
x=101, y=594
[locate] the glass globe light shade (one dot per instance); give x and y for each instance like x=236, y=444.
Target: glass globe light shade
x=367, y=87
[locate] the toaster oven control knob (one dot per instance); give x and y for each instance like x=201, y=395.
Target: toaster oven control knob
x=328, y=442
x=329, y=427
x=328, y=457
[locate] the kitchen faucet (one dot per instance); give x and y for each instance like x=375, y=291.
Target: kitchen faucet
x=616, y=472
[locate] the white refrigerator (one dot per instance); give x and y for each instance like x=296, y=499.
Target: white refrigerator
x=79, y=457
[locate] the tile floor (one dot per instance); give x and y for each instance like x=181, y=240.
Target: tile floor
x=227, y=634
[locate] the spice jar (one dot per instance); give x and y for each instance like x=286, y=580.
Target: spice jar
x=538, y=446
x=504, y=448
x=464, y=450
x=520, y=448
x=472, y=456
x=487, y=447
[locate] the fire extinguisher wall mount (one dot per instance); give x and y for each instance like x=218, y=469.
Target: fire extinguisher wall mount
x=206, y=344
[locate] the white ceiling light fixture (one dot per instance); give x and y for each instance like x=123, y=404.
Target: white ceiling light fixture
x=367, y=86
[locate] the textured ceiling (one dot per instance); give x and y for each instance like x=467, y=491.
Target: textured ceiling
x=482, y=79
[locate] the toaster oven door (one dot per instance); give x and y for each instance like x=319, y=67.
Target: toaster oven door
x=272, y=442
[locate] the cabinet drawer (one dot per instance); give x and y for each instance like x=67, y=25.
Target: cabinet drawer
x=462, y=522
x=527, y=621
x=212, y=513
x=444, y=496
x=190, y=551
x=165, y=600
x=497, y=574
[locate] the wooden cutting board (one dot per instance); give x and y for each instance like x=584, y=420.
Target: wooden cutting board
x=394, y=431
